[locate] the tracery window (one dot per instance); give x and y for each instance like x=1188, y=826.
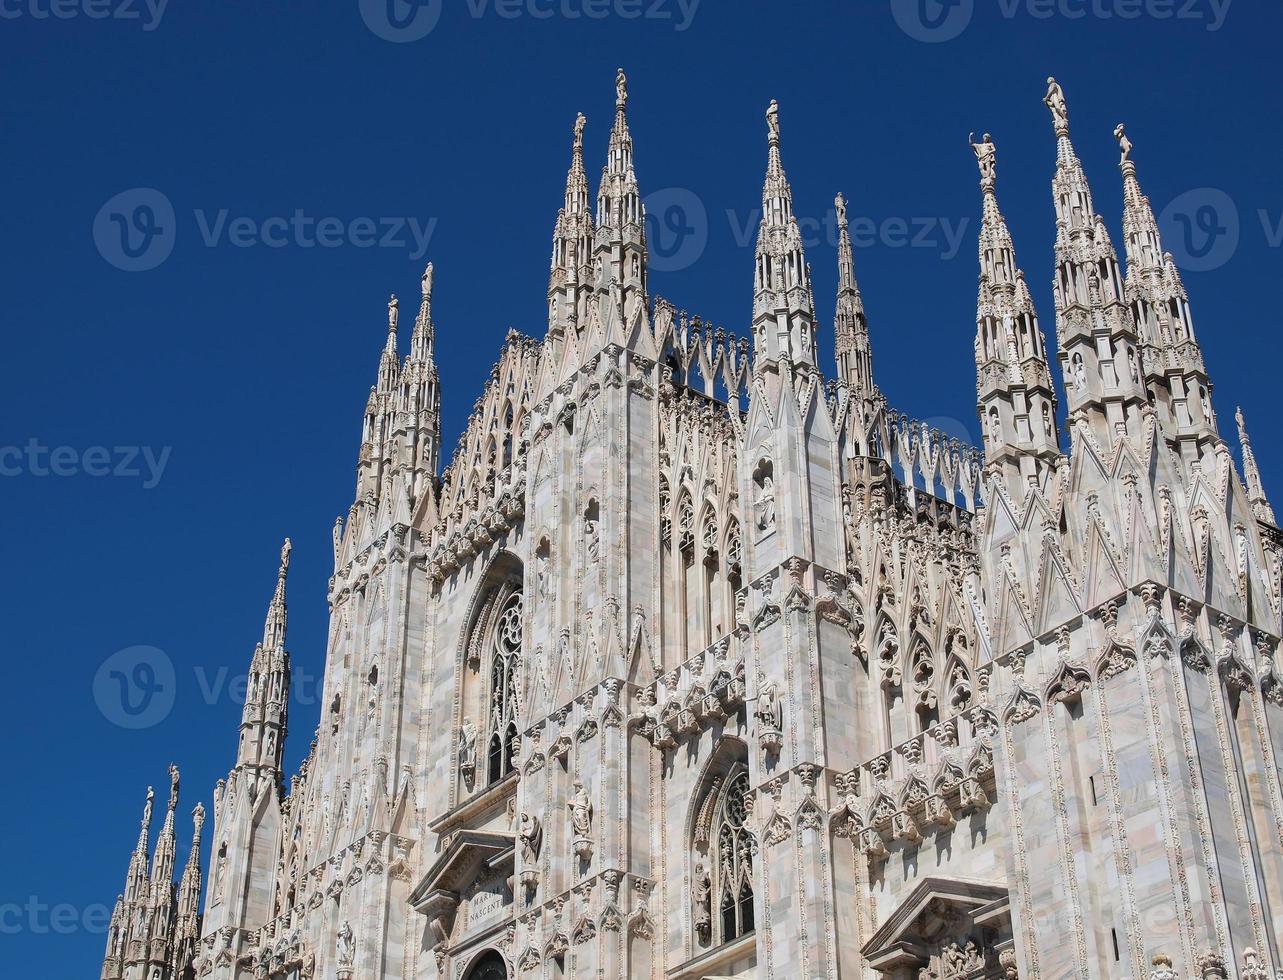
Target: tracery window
x=734, y=849
x=501, y=730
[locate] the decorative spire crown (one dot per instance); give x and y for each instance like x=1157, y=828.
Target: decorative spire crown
x=274, y=627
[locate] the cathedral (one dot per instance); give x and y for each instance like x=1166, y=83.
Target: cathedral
x=699, y=659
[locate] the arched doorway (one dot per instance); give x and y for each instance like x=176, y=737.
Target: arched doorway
x=489, y=967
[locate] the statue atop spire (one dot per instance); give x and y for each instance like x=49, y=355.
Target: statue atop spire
x=173, y=787
x=580, y=122
x=1124, y=143
x=773, y=122
x=425, y=284
x=147, y=808
x=1055, y=101
x=621, y=94
x=394, y=313
x=987, y=158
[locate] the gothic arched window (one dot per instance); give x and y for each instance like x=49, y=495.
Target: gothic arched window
x=725, y=850
x=735, y=847
x=501, y=724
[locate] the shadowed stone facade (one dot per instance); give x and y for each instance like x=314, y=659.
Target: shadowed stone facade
x=693, y=664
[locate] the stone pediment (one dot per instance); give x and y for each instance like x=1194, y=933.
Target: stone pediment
x=474, y=870
x=935, y=910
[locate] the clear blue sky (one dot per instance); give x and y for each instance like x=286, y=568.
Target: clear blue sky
x=243, y=368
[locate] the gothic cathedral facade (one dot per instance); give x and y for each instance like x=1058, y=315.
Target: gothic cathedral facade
x=693, y=664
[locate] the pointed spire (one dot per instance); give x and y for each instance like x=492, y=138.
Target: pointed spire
x=1145, y=256
x=389, y=366
x=783, y=323
x=619, y=245
x=423, y=341
x=137, y=882
x=274, y=626
x=850, y=325
x=187, y=916
x=618, y=203
x=1175, y=375
x=577, y=202
x=162, y=874
x=998, y=269
x=1252, y=474
x=1017, y=400
x=572, y=241
x=1099, y=349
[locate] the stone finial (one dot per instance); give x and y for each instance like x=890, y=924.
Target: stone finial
x=1211, y=965
x=1162, y=968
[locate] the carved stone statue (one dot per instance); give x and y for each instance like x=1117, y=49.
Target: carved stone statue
x=773, y=120
x=986, y=157
x=345, y=948
x=580, y=807
x=770, y=712
x=1125, y=144
x=531, y=834
x=702, y=890
x=621, y=89
x=764, y=505
x=592, y=534
x=394, y=317
x=1055, y=101
x=468, y=748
